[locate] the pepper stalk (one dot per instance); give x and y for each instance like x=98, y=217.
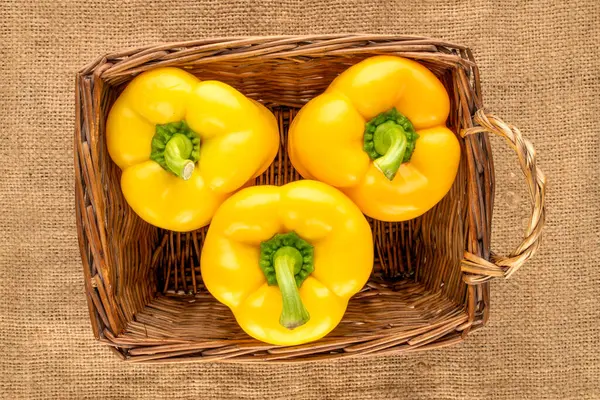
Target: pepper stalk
x=390, y=139
x=287, y=260
x=176, y=148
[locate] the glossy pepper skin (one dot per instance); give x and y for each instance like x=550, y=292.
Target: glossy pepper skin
x=378, y=133
x=185, y=145
x=287, y=259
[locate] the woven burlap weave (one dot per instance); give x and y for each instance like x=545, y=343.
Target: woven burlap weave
x=540, y=71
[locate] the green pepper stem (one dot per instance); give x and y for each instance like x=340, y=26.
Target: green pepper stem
x=177, y=151
x=294, y=313
x=389, y=140
x=390, y=135
x=176, y=148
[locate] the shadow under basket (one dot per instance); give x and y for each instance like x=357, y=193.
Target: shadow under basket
x=430, y=282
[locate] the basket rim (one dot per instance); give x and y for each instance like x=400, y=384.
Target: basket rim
x=234, y=41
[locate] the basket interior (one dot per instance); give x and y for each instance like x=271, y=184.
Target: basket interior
x=158, y=290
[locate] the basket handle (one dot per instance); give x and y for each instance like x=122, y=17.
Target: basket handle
x=481, y=270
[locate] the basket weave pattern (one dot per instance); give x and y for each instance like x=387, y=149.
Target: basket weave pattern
x=430, y=282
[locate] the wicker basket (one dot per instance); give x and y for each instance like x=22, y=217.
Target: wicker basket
x=430, y=282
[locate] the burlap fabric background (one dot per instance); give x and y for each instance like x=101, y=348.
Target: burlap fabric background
x=540, y=70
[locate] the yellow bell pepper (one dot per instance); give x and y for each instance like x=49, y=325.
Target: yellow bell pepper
x=185, y=145
x=287, y=259
x=379, y=134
